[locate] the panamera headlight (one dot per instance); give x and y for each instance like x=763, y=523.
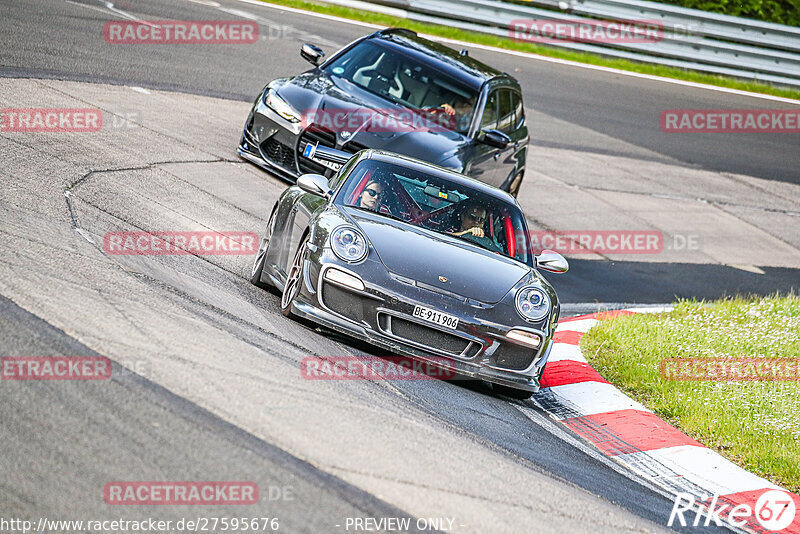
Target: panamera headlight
x=281, y=106
x=532, y=303
x=349, y=244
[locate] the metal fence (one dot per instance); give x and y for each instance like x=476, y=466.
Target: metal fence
x=688, y=38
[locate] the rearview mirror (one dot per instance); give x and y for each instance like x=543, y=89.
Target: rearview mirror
x=552, y=261
x=494, y=138
x=316, y=184
x=312, y=53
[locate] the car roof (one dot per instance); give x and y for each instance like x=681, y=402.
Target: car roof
x=464, y=68
x=439, y=172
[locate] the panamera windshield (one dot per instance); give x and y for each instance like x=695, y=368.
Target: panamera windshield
x=403, y=80
x=436, y=204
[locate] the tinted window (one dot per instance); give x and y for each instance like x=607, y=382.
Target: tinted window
x=437, y=204
x=506, y=112
x=489, y=120
x=390, y=74
x=519, y=110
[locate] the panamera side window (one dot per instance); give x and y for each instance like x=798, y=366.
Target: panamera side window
x=489, y=119
x=505, y=122
x=519, y=110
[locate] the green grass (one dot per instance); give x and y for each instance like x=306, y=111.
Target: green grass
x=509, y=44
x=755, y=424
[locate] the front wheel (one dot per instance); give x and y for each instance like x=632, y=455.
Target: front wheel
x=258, y=266
x=514, y=186
x=293, y=280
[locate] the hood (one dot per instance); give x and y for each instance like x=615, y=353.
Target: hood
x=340, y=106
x=424, y=256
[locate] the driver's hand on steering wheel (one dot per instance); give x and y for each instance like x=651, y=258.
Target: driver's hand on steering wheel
x=476, y=231
x=447, y=108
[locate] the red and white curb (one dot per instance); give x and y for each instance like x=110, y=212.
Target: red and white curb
x=577, y=396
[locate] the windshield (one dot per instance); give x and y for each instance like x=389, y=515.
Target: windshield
x=403, y=80
x=437, y=204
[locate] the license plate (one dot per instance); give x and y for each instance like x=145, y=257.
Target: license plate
x=433, y=316
x=308, y=152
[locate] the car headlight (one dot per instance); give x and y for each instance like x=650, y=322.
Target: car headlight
x=280, y=106
x=532, y=303
x=349, y=244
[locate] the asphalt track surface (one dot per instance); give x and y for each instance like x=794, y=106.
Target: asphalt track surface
x=60, y=443
x=584, y=110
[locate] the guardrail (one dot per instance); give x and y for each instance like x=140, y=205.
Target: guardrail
x=689, y=38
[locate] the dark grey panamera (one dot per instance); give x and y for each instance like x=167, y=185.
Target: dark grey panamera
x=392, y=90
x=418, y=260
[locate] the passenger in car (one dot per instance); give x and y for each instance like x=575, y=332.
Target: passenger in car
x=460, y=113
x=372, y=196
x=472, y=219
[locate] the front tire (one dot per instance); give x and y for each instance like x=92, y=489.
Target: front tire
x=258, y=266
x=515, y=185
x=293, y=280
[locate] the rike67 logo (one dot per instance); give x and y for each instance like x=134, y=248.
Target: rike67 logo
x=774, y=511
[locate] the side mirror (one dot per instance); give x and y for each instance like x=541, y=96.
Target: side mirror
x=312, y=53
x=552, y=261
x=316, y=184
x=494, y=138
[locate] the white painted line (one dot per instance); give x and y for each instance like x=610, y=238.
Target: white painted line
x=110, y=7
x=589, y=398
x=565, y=351
x=652, y=309
x=529, y=55
x=704, y=467
x=581, y=325
x=748, y=268
x=140, y=90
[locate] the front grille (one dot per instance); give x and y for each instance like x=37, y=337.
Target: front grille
x=314, y=135
x=514, y=357
x=279, y=153
x=353, y=147
x=324, y=137
x=342, y=302
x=428, y=336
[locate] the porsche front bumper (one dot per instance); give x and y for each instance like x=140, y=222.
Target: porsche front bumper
x=382, y=315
